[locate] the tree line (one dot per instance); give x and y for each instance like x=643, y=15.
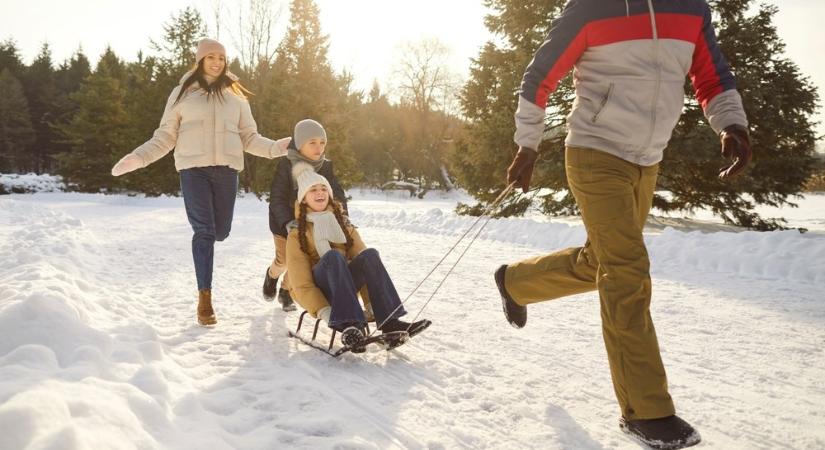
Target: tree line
x=77, y=120
x=432, y=131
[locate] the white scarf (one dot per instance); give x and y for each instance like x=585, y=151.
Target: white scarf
x=326, y=230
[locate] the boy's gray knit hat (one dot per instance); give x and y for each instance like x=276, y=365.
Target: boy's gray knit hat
x=306, y=130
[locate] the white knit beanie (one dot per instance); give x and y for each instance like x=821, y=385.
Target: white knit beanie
x=306, y=177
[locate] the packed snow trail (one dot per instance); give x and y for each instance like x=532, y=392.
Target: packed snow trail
x=99, y=346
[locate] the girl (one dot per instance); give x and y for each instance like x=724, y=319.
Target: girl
x=308, y=144
x=328, y=263
x=208, y=122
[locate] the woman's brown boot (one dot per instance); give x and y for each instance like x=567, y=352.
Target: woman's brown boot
x=206, y=315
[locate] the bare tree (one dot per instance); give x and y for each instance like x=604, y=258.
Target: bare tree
x=217, y=12
x=254, y=34
x=428, y=87
x=424, y=78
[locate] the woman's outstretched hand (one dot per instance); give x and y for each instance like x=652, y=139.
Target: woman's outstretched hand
x=127, y=164
x=283, y=144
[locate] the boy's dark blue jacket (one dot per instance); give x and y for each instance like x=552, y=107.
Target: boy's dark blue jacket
x=282, y=195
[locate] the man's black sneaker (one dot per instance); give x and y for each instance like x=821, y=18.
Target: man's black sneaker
x=513, y=312
x=667, y=433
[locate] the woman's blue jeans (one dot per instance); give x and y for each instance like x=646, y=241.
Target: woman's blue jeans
x=209, y=196
x=340, y=282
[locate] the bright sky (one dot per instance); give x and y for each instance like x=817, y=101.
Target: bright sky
x=364, y=34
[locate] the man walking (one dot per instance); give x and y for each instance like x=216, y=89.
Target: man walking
x=631, y=59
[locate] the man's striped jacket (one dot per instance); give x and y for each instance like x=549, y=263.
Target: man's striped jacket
x=630, y=58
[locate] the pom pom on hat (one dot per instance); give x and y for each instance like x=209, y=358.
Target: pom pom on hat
x=306, y=177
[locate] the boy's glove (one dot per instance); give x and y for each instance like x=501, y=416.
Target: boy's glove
x=521, y=169
x=736, y=144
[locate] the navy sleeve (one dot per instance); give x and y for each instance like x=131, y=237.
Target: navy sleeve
x=557, y=54
x=709, y=71
x=281, y=212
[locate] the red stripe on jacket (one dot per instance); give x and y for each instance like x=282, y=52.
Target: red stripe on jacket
x=681, y=27
x=561, y=67
x=703, y=74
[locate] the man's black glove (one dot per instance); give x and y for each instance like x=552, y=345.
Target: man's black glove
x=736, y=145
x=521, y=169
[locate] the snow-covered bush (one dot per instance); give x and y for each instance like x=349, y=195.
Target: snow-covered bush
x=29, y=183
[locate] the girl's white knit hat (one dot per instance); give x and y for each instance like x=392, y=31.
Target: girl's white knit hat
x=306, y=177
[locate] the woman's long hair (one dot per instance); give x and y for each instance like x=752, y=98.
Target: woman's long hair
x=302, y=225
x=214, y=89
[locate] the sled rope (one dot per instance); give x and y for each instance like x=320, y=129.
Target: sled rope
x=484, y=214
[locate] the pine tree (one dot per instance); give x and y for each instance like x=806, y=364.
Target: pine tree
x=489, y=100
x=302, y=84
x=16, y=132
x=68, y=78
x=72, y=73
x=41, y=91
x=10, y=58
x=778, y=100
x=147, y=87
x=180, y=39
x=148, y=82
x=99, y=132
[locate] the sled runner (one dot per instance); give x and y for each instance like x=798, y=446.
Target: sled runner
x=388, y=340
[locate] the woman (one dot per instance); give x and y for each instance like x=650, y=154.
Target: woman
x=328, y=264
x=208, y=122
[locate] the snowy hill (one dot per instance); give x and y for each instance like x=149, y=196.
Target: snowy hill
x=99, y=347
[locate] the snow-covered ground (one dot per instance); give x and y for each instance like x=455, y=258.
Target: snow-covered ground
x=99, y=347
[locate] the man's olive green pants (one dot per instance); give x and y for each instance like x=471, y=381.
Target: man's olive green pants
x=614, y=197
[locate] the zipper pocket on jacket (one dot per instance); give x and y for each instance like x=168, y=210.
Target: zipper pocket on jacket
x=605, y=99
